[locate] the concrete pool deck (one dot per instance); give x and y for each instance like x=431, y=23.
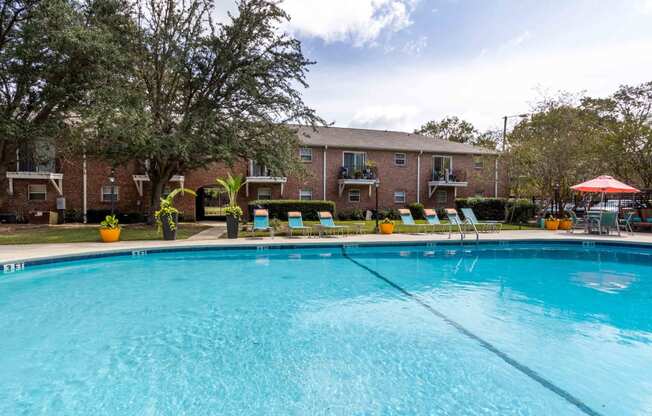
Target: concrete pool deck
x=32, y=252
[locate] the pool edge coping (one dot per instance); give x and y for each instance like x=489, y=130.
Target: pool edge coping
x=99, y=252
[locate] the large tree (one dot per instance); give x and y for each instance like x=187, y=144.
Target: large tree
x=625, y=122
x=450, y=128
x=200, y=93
x=457, y=130
x=51, y=54
x=557, y=145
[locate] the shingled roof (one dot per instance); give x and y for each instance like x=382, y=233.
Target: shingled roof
x=384, y=140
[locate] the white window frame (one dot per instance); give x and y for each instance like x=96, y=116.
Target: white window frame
x=269, y=190
x=443, y=157
x=108, y=187
x=355, y=191
x=305, y=192
x=403, y=157
x=438, y=199
x=400, y=197
x=30, y=193
x=305, y=154
x=364, y=157
x=476, y=165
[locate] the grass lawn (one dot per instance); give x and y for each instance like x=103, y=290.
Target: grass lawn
x=369, y=228
x=83, y=234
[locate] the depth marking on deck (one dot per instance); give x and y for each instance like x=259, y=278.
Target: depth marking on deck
x=485, y=344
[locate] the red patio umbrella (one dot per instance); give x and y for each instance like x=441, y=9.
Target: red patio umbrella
x=605, y=185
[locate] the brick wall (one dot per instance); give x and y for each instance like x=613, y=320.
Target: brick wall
x=393, y=178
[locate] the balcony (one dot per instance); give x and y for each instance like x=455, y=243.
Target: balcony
x=28, y=169
x=455, y=179
x=261, y=175
x=139, y=180
x=356, y=176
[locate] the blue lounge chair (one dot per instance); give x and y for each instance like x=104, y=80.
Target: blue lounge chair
x=295, y=223
x=261, y=221
x=326, y=223
x=470, y=218
x=432, y=220
x=407, y=220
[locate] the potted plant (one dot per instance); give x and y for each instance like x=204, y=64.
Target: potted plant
x=565, y=223
x=167, y=217
x=233, y=216
x=387, y=226
x=232, y=185
x=110, y=229
x=552, y=223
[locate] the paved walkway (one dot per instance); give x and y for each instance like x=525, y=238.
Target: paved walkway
x=17, y=253
x=216, y=230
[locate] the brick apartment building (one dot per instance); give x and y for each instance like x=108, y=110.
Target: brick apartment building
x=343, y=165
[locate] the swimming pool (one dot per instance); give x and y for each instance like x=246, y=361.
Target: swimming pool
x=488, y=329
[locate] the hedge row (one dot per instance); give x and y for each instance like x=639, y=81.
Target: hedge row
x=517, y=211
x=279, y=208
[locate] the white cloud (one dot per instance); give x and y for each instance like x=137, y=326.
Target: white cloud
x=518, y=40
x=390, y=117
x=481, y=91
x=646, y=6
x=360, y=22
x=416, y=46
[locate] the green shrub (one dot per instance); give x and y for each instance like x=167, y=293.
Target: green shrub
x=520, y=211
x=356, y=214
x=279, y=208
x=517, y=211
x=417, y=211
x=486, y=209
x=391, y=214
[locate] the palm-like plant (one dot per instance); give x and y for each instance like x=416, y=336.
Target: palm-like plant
x=168, y=210
x=232, y=185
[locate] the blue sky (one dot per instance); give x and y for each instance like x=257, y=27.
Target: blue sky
x=394, y=64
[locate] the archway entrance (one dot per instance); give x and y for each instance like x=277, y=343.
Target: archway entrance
x=210, y=203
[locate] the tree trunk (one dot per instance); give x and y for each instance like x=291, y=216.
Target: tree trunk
x=155, y=197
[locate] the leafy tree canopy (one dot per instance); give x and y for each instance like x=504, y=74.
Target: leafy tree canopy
x=51, y=54
x=199, y=93
x=457, y=130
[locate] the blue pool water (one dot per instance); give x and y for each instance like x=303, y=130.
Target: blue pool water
x=517, y=329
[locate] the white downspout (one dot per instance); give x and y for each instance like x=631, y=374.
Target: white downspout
x=324, y=172
x=84, y=191
x=496, y=179
x=419, y=176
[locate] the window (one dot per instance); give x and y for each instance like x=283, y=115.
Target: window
x=258, y=170
x=442, y=167
x=354, y=195
x=442, y=196
x=305, y=154
x=107, y=190
x=37, y=192
x=478, y=162
x=400, y=159
x=264, y=193
x=399, y=197
x=305, y=194
x=354, y=161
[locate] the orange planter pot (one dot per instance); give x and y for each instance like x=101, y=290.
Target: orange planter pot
x=565, y=224
x=386, y=228
x=110, y=235
x=552, y=225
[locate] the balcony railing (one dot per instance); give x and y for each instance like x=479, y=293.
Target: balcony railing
x=357, y=172
x=456, y=176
